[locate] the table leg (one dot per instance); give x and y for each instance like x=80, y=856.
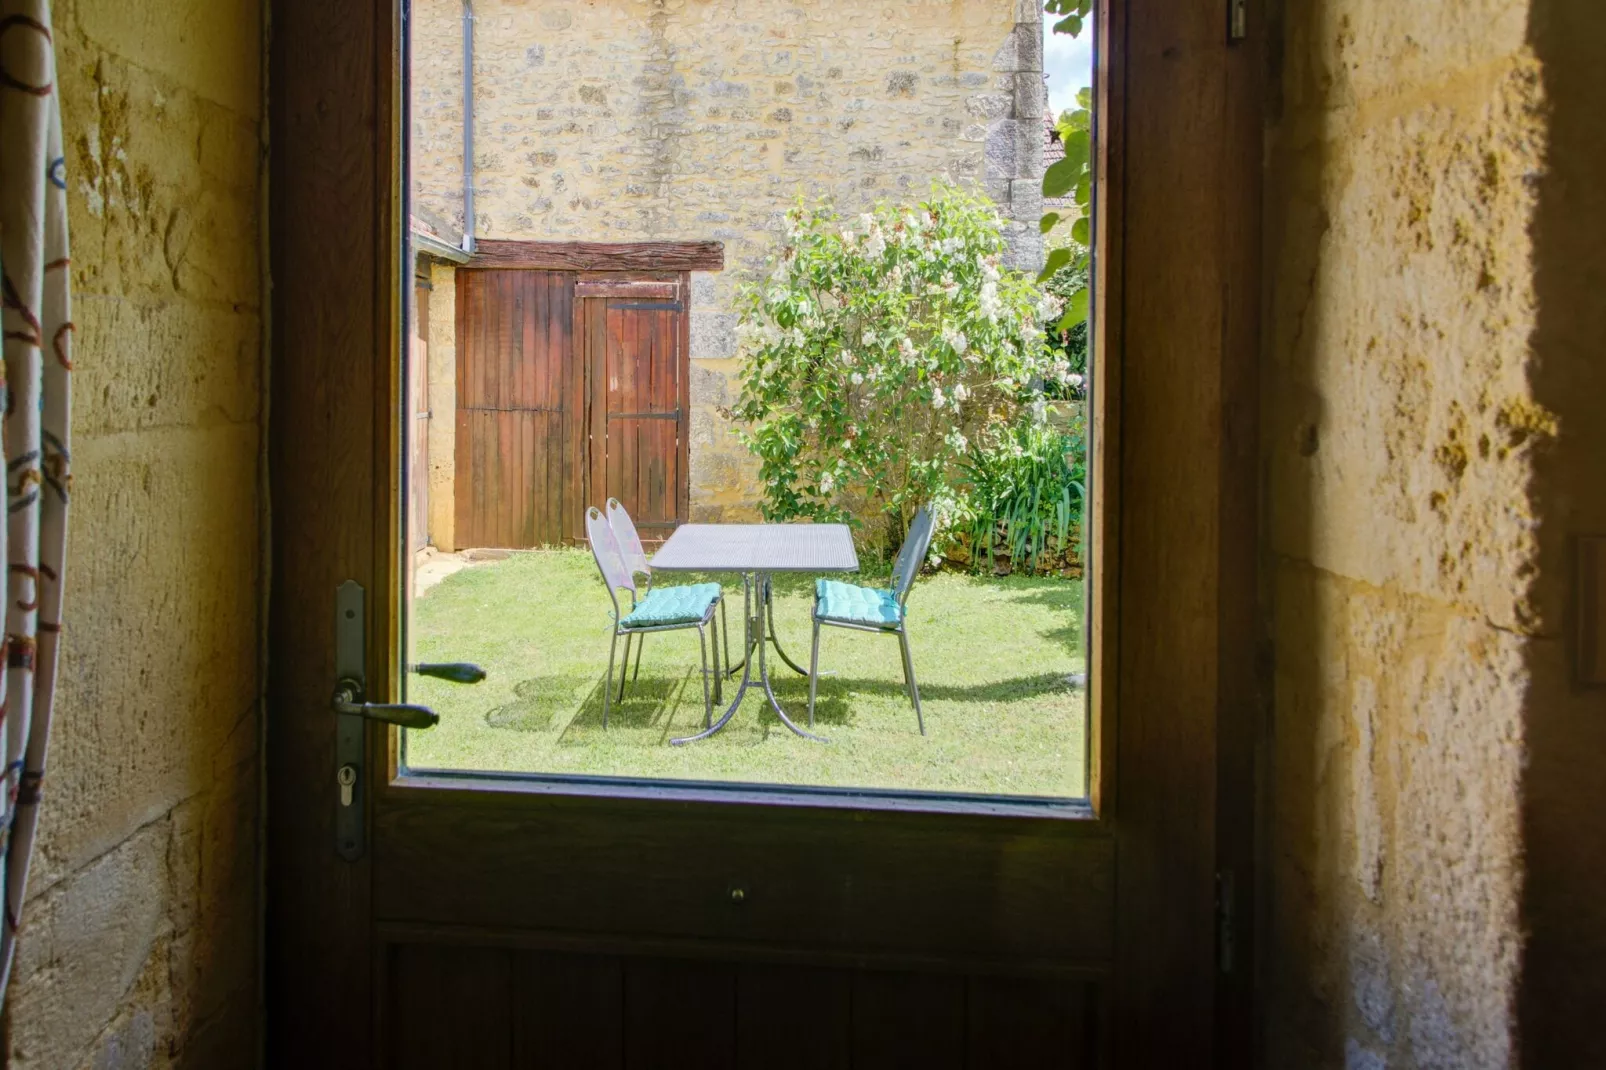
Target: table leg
x=747, y=628
x=757, y=626
x=775, y=636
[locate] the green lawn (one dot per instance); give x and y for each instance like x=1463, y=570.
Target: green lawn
x=993, y=657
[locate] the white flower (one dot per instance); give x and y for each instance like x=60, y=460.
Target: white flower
x=875, y=246
x=847, y=358
x=856, y=379
x=1039, y=411
x=961, y=392
x=955, y=340
x=826, y=483
x=1075, y=380
x=867, y=221
x=950, y=287
x=869, y=338
x=991, y=306
x=937, y=399
x=798, y=338
x=989, y=271
x=906, y=350
x=957, y=441
x=1049, y=307
x=952, y=245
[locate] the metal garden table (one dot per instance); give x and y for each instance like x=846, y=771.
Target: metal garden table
x=757, y=551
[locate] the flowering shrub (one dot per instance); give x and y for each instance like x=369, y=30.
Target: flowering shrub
x=880, y=351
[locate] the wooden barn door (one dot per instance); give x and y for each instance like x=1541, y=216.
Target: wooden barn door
x=520, y=410
x=635, y=348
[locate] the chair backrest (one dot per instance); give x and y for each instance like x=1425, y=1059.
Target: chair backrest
x=624, y=532
x=913, y=554
x=605, y=550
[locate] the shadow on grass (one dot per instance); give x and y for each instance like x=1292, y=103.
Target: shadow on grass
x=832, y=688
x=654, y=701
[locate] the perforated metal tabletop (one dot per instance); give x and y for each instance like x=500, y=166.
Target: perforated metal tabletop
x=758, y=548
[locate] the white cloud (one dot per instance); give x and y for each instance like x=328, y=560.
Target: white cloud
x=1068, y=62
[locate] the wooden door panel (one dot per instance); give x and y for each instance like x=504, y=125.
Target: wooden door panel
x=679, y=1013
x=479, y=1008
x=794, y=1017
x=641, y=394
x=973, y=889
x=521, y=411
x=570, y=1011
x=469, y=987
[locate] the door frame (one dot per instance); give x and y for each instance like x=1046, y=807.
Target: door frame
x=1173, y=606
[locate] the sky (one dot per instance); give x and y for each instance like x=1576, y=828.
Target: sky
x=1068, y=62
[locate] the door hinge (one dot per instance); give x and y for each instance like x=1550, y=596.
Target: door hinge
x=1226, y=921
x=1237, y=19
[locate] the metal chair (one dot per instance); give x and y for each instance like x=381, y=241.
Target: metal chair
x=635, y=557
x=665, y=610
x=875, y=609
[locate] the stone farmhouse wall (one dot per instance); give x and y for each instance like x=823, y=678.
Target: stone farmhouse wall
x=636, y=120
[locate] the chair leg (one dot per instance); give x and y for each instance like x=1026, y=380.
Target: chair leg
x=607, y=684
x=725, y=630
x=719, y=673
x=909, y=678
x=624, y=668
x=641, y=644
x=814, y=669
x=708, y=704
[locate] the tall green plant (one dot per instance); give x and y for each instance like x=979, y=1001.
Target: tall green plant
x=1019, y=495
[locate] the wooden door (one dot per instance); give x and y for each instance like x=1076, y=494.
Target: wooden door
x=520, y=460
x=635, y=348
x=499, y=922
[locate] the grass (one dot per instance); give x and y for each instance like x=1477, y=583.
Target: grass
x=992, y=655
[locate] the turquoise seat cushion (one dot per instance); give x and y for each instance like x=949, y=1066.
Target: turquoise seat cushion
x=857, y=605
x=673, y=605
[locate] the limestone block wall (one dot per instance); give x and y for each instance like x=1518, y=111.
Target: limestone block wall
x=442, y=405
x=1406, y=584
x=632, y=120
x=139, y=945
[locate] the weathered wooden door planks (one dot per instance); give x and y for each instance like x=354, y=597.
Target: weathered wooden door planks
x=635, y=349
x=520, y=465
x=551, y=419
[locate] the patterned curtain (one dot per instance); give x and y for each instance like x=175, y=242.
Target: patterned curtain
x=34, y=283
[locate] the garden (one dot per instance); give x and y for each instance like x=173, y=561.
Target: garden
x=890, y=364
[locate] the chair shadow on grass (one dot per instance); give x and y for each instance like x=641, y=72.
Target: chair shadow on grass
x=835, y=689
x=651, y=701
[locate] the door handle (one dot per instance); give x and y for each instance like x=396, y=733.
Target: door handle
x=352, y=715
x=348, y=701
x=458, y=672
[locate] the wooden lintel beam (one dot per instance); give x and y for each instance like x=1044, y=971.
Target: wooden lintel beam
x=600, y=256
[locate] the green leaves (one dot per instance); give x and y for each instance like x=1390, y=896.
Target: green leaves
x=1075, y=311
x=1049, y=221
x=1075, y=12
x=1081, y=232
x=1057, y=259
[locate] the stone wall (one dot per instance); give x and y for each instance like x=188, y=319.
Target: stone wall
x=442, y=405
x=139, y=945
x=631, y=120
x=1410, y=595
